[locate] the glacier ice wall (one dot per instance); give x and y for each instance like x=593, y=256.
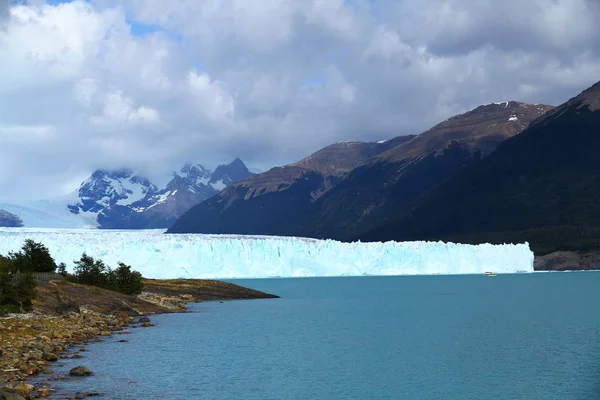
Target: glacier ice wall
x=225, y=256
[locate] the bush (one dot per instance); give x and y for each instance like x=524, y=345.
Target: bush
x=17, y=289
x=124, y=280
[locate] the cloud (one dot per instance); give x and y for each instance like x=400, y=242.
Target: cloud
x=153, y=84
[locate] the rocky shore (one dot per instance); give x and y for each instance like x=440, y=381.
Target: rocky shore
x=68, y=314
x=568, y=261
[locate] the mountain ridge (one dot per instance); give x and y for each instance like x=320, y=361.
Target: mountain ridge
x=326, y=196
x=541, y=186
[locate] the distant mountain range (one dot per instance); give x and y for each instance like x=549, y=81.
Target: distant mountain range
x=501, y=173
x=349, y=188
x=265, y=202
x=122, y=199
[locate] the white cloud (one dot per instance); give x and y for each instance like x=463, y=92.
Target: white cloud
x=118, y=108
x=152, y=84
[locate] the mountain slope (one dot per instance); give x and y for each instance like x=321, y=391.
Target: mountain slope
x=542, y=186
x=266, y=202
x=9, y=220
x=374, y=192
x=362, y=194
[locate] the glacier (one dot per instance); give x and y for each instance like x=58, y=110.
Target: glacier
x=158, y=255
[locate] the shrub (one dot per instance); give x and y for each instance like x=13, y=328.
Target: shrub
x=17, y=289
x=124, y=280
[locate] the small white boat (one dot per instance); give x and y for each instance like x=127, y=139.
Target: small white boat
x=489, y=273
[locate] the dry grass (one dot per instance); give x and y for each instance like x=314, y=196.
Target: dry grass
x=203, y=289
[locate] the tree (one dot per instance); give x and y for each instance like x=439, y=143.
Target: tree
x=62, y=269
x=33, y=257
x=88, y=271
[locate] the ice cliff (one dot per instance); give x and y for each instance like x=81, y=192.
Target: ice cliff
x=224, y=256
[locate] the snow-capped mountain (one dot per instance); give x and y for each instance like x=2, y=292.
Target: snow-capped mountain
x=127, y=209
x=108, y=188
x=124, y=199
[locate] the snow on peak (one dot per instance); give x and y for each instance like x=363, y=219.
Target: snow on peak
x=107, y=188
x=504, y=103
x=513, y=118
x=196, y=172
x=218, y=185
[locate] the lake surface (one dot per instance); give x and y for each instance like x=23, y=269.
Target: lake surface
x=523, y=336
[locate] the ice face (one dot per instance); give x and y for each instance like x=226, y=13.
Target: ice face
x=157, y=255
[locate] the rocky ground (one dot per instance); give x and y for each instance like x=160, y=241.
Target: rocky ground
x=67, y=314
x=568, y=261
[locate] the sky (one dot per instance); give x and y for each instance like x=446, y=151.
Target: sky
x=153, y=84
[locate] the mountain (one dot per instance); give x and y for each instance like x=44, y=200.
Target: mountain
x=262, y=203
x=160, y=208
x=225, y=175
x=124, y=199
x=542, y=186
x=346, y=188
x=9, y=220
x=391, y=181
x=105, y=189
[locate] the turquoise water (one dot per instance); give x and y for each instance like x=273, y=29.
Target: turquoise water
x=527, y=336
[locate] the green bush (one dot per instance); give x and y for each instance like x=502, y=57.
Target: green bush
x=124, y=280
x=17, y=289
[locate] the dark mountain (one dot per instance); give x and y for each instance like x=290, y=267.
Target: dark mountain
x=375, y=191
x=225, y=175
x=274, y=199
x=542, y=186
x=328, y=195
x=160, y=209
x=9, y=220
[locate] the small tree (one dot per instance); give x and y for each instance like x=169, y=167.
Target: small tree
x=62, y=269
x=124, y=280
x=90, y=272
x=33, y=257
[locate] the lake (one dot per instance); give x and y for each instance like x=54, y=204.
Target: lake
x=522, y=336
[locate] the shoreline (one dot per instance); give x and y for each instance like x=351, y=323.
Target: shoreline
x=68, y=316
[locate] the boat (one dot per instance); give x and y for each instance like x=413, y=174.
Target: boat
x=489, y=273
